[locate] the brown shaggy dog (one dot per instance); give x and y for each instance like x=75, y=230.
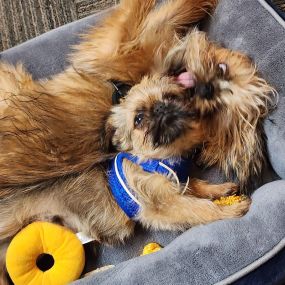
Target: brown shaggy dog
x=53, y=132
x=56, y=135
x=168, y=128
x=53, y=128
x=230, y=98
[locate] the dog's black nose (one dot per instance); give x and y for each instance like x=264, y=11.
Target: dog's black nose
x=159, y=108
x=205, y=90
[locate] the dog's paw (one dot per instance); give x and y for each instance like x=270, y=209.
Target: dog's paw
x=228, y=189
x=238, y=209
x=222, y=190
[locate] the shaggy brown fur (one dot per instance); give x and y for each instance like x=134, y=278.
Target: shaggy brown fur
x=53, y=132
x=50, y=129
x=55, y=136
x=54, y=128
x=232, y=115
x=84, y=202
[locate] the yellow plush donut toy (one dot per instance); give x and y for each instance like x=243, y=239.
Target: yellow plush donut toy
x=45, y=253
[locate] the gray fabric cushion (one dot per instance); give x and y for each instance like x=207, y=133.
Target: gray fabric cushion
x=208, y=254
x=205, y=254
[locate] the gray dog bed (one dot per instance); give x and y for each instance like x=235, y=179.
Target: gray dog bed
x=249, y=250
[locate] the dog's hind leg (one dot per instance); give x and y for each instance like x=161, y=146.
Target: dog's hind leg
x=178, y=14
x=9, y=226
x=135, y=36
x=21, y=209
x=104, y=43
x=3, y=272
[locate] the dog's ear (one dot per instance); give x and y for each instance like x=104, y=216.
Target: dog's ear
x=235, y=136
x=236, y=147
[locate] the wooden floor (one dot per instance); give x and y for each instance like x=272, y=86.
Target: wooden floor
x=21, y=20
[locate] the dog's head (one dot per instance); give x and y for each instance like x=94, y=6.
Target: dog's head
x=229, y=96
x=155, y=120
x=203, y=95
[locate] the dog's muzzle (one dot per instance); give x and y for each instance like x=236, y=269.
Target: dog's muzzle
x=205, y=90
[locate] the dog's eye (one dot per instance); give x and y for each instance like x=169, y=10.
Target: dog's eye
x=138, y=119
x=222, y=69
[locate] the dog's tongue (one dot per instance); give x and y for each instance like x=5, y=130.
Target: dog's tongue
x=186, y=79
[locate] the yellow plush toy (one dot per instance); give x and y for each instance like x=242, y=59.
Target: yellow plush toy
x=229, y=200
x=48, y=254
x=45, y=253
x=150, y=248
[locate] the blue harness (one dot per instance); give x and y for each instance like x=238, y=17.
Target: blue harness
x=123, y=194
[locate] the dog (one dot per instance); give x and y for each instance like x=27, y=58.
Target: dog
x=232, y=99
x=43, y=115
x=59, y=134
x=53, y=131
x=86, y=201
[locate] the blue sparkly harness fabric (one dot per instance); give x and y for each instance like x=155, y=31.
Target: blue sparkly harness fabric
x=123, y=194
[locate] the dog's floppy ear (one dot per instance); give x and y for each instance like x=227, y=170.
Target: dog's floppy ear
x=235, y=137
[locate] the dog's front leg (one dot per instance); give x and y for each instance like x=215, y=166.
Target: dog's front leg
x=163, y=206
x=203, y=189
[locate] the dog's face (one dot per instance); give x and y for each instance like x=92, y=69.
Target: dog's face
x=218, y=79
x=228, y=95
x=155, y=120
x=203, y=94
